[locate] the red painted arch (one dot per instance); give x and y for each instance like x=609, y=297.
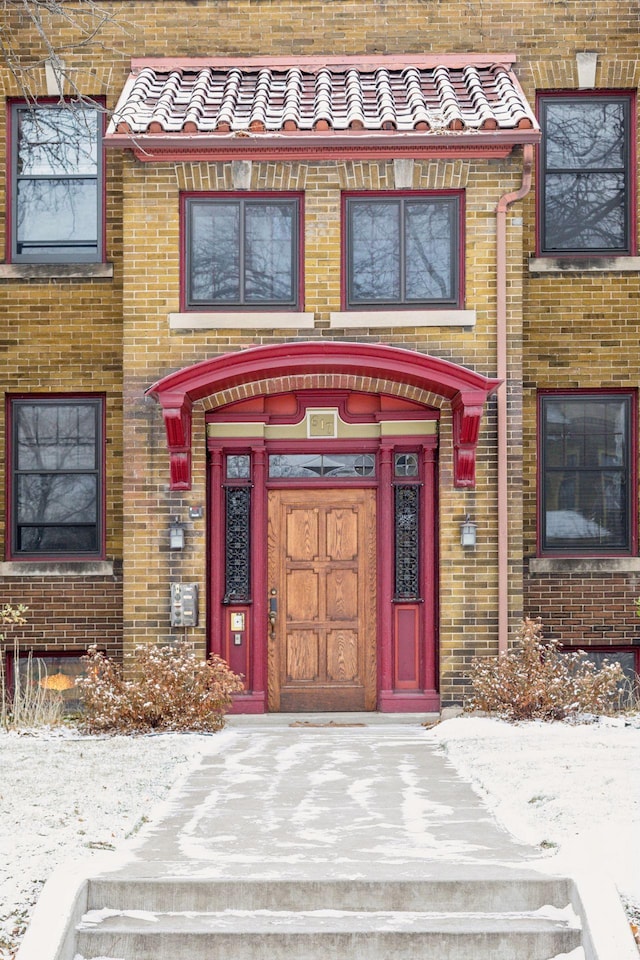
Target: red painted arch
x=466, y=390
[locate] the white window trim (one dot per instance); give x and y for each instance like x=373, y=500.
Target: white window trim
x=241, y=320
x=403, y=318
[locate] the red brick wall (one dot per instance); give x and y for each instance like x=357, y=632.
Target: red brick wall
x=587, y=608
x=66, y=613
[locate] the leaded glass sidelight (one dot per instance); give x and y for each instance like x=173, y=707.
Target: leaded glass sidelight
x=407, y=541
x=237, y=544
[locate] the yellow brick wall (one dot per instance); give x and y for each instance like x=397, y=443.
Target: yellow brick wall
x=578, y=330
x=151, y=350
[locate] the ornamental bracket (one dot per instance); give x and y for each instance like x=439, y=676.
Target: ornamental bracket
x=467, y=407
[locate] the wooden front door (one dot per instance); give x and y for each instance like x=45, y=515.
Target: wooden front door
x=322, y=565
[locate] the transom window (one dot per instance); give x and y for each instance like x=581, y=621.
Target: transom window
x=322, y=465
x=403, y=250
x=242, y=252
x=585, y=202
x=56, y=213
x=56, y=477
x=586, y=473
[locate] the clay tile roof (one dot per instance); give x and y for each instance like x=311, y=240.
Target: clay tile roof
x=273, y=97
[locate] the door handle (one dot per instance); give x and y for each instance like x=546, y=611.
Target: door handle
x=273, y=612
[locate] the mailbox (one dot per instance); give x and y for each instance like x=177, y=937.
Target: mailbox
x=184, y=604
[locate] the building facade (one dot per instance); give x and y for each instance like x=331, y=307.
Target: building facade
x=320, y=340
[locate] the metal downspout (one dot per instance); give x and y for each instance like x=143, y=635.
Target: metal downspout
x=501, y=336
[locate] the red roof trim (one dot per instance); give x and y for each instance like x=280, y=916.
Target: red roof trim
x=324, y=145
x=397, y=61
x=466, y=390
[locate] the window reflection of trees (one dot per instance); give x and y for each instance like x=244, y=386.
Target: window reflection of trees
x=585, y=183
x=57, y=182
x=56, y=477
x=242, y=252
x=402, y=251
x=585, y=473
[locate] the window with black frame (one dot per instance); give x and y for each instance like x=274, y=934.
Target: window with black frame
x=56, y=477
x=402, y=251
x=242, y=252
x=56, y=212
x=585, y=198
x=586, y=480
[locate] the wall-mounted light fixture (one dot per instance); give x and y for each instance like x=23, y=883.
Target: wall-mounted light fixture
x=176, y=535
x=468, y=531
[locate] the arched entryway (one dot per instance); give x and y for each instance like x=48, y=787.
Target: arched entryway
x=322, y=480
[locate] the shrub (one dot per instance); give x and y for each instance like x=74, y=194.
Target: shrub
x=538, y=682
x=171, y=689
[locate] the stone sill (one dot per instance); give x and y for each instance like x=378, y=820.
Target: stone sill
x=403, y=318
x=584, y=264
x=574, y=565
x=241, y=320
x=56, y=271
x=67, y=568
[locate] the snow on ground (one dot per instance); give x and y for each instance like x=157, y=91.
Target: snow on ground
x=573, y=789
x=63, y=796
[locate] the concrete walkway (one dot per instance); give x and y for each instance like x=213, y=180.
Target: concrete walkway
x=326, y=838
x=333, y=797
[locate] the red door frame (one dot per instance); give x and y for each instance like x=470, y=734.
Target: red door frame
x=406, y=630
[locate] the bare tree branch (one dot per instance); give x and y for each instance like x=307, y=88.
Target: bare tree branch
x=85, y=25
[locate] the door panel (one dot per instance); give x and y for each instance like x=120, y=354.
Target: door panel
x=302, y=655
x=342, y=655
x=322, y=563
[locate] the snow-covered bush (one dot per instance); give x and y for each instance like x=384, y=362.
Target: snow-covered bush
x=170, y=689
x=539, y=682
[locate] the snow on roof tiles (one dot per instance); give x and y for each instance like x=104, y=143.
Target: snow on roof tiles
x=413, y=94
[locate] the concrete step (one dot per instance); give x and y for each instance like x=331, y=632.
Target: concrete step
x=327, y=935
x=459, y=890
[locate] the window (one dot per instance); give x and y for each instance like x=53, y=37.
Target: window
x=403, y=250
x=57, y=484
x=320, y=466
x=627, y=657
x=586, y=473
x=56, y=214
x=242, y=252
x=56, y=671
x=585, y=197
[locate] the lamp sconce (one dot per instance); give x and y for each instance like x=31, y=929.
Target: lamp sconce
x=176, y=535
x=468, y=531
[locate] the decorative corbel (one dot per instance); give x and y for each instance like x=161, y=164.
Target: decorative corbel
x=467, y=408
x=176, y=411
